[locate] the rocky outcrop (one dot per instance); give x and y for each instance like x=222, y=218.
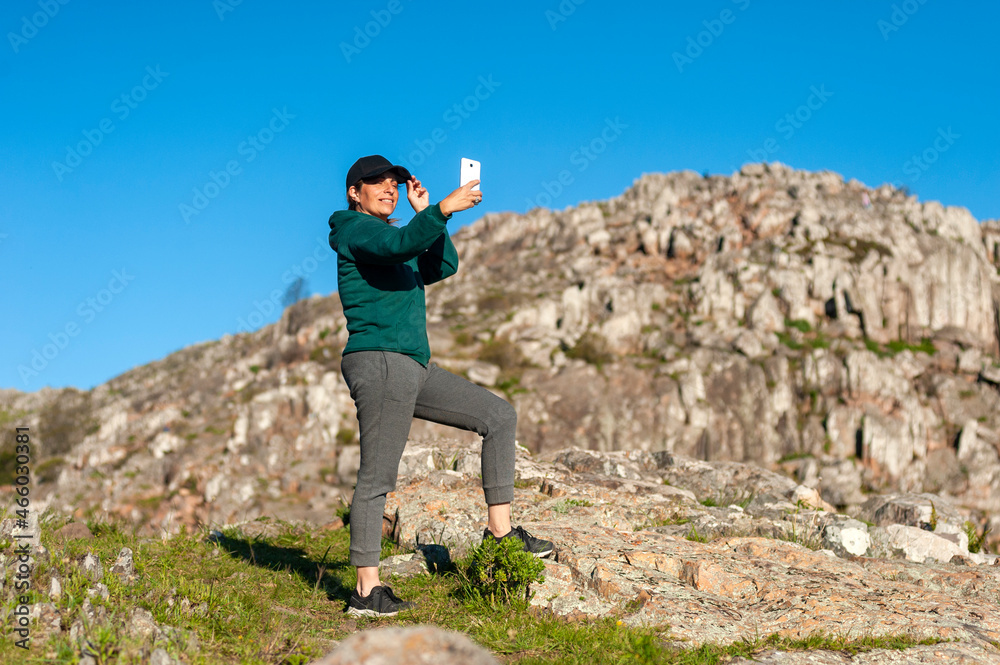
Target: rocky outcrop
x=717, y=550
x=959, y=654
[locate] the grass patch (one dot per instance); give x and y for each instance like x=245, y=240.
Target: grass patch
x=279, y=598
x=896, y=346
x=693, y=535
x=786, y=339
x=926, y=346
x=799, y=324
x=563, y=506
x=511, y=385
x=741, y=499
x=791, y=457
x=820, y=341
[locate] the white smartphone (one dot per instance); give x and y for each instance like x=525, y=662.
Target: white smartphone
x=470, y=171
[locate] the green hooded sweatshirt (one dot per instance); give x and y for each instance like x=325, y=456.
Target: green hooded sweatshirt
x=381, y=274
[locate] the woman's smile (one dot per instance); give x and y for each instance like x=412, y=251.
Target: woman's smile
x=379, y=199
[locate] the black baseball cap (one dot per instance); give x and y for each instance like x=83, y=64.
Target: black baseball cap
x=371, y=166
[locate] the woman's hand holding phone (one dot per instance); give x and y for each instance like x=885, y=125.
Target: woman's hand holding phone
x=462, y=198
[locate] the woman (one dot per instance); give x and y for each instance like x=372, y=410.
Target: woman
x=382, y=270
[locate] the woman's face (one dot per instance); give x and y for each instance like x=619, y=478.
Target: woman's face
x=378, y=197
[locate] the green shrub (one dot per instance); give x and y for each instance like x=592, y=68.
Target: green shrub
x=976, y=540
x=499, y=572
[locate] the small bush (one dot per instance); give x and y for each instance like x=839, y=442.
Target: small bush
x=976, y=540
x=503, y=353
x=591, y=348
x=499, y=572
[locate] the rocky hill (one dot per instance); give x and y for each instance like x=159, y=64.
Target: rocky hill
x=843, y=336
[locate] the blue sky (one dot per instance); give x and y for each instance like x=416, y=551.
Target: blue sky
x=166, y=167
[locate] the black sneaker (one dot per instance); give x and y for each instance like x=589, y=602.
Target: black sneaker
x=381, y=602
x=540, y=548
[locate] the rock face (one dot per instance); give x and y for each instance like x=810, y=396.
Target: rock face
x=771, y=317
x=750, y=563
x=941, y=653
x=414, y=645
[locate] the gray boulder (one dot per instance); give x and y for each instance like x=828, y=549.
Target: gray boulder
x=414, y=645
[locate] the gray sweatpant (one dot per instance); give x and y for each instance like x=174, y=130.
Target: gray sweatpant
x=389, y=390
